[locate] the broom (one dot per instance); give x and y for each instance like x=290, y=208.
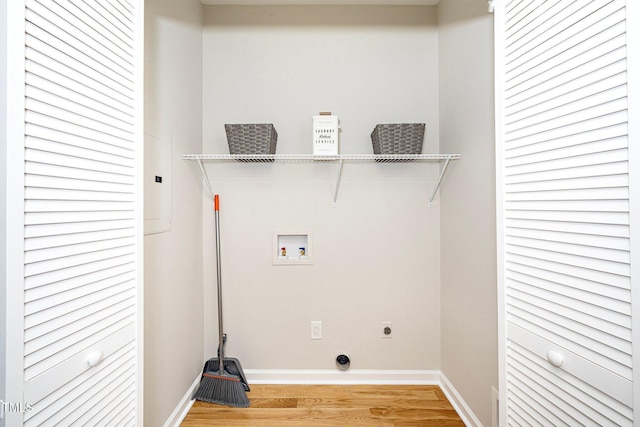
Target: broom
x=221, y=388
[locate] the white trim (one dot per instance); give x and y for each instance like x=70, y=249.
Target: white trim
x=498, y=46
x=495, y=407
x=139, y=131
x=353, y=376
x=15, y=214
x=633, y=109
x=185, y=404
x=458, y=403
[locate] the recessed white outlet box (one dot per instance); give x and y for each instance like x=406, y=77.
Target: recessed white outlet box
x=316, y=330
x=292, y=247
x=386, y=329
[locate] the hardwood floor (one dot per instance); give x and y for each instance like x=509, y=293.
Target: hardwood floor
x=332, y=405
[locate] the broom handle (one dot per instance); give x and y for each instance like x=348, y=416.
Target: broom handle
x=216, y=203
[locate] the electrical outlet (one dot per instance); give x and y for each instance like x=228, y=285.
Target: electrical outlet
x=316, y=330
x=386, y=329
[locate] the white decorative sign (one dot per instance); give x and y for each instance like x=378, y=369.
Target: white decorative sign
x=325, y=135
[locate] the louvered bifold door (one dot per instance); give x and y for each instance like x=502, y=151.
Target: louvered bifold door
x=564, y=191
x=81, y=210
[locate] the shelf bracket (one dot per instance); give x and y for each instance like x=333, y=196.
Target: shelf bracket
x=338, y=177
x=446, y=158
x=435, y=190
x=206, y=177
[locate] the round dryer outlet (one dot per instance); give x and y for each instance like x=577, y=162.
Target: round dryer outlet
x=343, y=361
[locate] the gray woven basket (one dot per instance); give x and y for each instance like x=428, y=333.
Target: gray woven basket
x=251, y=138
x=398, y=138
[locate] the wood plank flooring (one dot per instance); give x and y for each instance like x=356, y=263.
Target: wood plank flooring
x=332, y=405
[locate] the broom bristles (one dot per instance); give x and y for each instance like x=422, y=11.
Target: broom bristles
x=222, y=390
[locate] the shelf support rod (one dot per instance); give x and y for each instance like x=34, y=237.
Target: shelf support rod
x=338, y=177
x=206, y=178
x=435, y=190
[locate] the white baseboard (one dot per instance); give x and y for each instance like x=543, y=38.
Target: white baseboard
x=185, y=404
x=332, y=376
x=458, y=403
x=353, y=376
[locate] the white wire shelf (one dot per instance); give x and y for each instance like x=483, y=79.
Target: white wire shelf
x=339, y=159
x=292, y=158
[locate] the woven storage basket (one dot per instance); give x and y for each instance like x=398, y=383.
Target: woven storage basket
x=251, y=138
x=398, y=138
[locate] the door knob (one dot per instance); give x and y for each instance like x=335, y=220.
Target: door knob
x=94, y=358
x=556, y=359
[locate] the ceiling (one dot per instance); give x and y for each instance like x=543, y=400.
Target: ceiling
x=323, y=2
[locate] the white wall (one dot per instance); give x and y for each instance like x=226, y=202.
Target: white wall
x=173, y=259
x=3, y=193
x=377, y=252
x=469, y=302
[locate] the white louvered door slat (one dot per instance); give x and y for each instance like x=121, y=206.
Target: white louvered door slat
x=75, y=26
x=52, y=66
x=564, y=228
x=82, y=212
x=46, y=26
